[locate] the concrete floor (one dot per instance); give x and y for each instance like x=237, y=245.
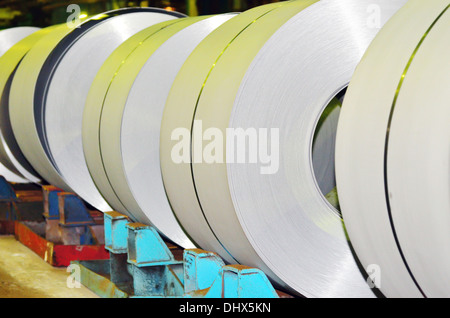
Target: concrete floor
x=23, y=274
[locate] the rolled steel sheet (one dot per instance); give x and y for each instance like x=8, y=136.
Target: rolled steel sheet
x=392, y=154
x=272, y=67
x=69, y=88
x=104, y=84
x=152, y=85
x=179, y=111
x=10, y=37
x=93, y=111
x=123, y=114
x=50, y=89
x=14, y=44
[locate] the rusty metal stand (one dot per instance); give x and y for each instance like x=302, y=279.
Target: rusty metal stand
x=18, y=203
x=66, y=230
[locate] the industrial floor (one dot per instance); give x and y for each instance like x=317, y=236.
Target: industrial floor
x=23, y=274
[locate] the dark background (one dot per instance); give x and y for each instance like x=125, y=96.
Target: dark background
x=42, y=13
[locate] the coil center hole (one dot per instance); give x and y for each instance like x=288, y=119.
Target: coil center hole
x=323, y=150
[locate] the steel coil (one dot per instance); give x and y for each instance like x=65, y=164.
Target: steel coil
x=14, y=44
x=50, y=89
x=276, y=68
x=122, y=153
x=393, y=153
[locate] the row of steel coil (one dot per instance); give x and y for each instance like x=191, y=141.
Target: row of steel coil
x=232, y=132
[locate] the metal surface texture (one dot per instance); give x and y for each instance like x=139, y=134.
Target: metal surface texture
x=22, y=106
x=395, y=200
x=93, y=112
x=324, y=146
x=10, y=37
x=69, y=87
x=30, y=85
x=305, y=139
x=136, y=123
x=179, y=112
x=123, y=115
x=14, y=43
x=298, y=57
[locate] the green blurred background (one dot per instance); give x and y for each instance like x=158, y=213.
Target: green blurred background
x=43, y=13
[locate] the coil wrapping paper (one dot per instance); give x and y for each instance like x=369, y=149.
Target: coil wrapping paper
x=392, y=171
x=277, y=66
x=14, y=43
x=52, y=143
x=135, y=81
